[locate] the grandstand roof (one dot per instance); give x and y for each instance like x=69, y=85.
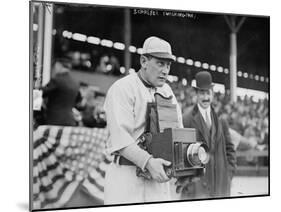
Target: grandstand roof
x=198, y=36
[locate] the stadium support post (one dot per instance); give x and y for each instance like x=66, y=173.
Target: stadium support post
x=233, y=66
x=127, y=39
x=47, y=49
x=234, y=28
x=38, y=54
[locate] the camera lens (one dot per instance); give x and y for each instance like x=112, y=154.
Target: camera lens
x=197, y=154
x=203, y=155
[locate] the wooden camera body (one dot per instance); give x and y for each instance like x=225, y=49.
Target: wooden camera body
x=168, y=141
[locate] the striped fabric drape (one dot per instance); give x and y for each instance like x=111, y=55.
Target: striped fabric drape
x=65, y=158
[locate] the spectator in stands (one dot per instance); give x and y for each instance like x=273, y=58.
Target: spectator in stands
x=104, y=65
x=108, y=64
x=92, y=113
x=214, y=132
x=83, y=89
x=61, y=94
x=115, y=65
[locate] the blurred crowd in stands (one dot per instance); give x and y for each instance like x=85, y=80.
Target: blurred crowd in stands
x=90, y=111
x=102, y=63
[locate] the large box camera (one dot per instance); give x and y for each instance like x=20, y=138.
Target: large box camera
x=179, y=146
x=164, y=139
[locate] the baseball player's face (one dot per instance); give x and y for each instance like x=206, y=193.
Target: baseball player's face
x=205, y=98
x=157, y=71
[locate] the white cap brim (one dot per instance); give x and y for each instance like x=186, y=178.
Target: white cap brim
x=162, y=55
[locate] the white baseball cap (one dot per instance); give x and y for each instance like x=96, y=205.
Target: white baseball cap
x=157, y=47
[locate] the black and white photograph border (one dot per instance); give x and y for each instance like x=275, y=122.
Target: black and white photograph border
x=254, y=202
x=75, y=56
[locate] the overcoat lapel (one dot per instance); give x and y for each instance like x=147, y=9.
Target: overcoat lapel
x=215, y=128
x=198, y=119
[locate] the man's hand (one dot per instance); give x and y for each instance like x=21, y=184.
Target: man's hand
x=156, y=169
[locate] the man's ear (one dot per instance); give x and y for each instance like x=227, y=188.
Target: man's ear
x=143, y=62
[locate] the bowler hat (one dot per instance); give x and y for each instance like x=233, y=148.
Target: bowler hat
x=203, y=81
x=158, y=48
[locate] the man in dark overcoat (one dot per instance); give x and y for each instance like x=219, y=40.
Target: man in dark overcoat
x=214, y=132
x=61, y=93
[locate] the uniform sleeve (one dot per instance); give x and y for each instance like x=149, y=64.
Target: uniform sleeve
x=119, y=107
x=137, y=155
